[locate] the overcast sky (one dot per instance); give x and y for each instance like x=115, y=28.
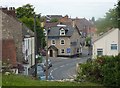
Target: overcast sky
x=74, y=8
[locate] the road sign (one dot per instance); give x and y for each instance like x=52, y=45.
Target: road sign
x=68, y=50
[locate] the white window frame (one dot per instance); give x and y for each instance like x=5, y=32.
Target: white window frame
x=52, y=42
x=62, y=51
x=100, y=50
x=114, y=47
x=62, y=31
x=61, y=40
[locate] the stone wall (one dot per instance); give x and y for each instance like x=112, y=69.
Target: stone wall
x=12, y=29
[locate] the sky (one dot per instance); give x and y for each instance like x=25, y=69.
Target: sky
x=73, y=8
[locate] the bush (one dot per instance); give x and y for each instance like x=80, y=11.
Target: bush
x=105, y=70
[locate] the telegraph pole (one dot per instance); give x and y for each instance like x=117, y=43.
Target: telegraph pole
x=47, y=55
x=35, y=44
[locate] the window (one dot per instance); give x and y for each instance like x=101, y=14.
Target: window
x=62, y=51
x=62, y=42
x=53, y=42
x=77, y=50
x=62, y=32
x=99, y=52
x=113, y=46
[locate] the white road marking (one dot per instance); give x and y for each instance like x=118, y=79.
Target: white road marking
x=62, y=65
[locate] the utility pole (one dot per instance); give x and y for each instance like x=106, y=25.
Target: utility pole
x=47, y=55
x=46, y=34
x=35, y=44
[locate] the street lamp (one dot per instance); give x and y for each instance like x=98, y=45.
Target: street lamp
x=35, y=43
x=46, y=34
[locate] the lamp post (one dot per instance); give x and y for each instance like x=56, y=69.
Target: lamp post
x=35, y=44
x=46, y=34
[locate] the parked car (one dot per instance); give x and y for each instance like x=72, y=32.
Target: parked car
x=42, y=76
x=39, y=70
x=49, y=63
x=42, y=65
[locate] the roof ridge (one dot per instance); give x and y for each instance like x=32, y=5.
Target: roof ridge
x=101, y=36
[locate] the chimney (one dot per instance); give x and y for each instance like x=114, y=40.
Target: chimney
x=66, y=17
x=10, y=11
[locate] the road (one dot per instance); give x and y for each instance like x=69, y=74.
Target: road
x=65, y=68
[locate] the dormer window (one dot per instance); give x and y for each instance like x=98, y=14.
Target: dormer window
x=62, y=31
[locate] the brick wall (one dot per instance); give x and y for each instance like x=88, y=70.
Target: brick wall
x=9, y=51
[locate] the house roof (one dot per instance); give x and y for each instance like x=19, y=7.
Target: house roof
x=54, y=16
x=49, y=24
x=99, y=37
x=26, y=31
x=53, y=47
x=82, y=23
x=55, y=31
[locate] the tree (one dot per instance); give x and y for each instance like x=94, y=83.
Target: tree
x=54, y=20
x=118, y=12
x=25, y=11
x=108, y=22
x=26, y=15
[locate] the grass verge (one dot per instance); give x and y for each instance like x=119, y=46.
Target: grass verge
x=19, y=80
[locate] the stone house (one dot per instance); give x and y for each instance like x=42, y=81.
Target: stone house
x=63, y=40
x=107, y=44
x=13, y=37
x=85, y=27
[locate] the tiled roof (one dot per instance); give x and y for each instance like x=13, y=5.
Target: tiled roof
x=82, y=23
x=55, y=31
x=49, y=24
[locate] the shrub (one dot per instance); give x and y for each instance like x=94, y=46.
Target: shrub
x=105, y=70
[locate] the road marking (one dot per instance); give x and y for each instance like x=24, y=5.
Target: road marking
x=55, y=69
x=62, y=65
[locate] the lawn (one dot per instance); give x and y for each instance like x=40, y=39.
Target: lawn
x=18, y=80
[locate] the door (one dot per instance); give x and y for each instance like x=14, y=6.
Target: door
x=51, y=53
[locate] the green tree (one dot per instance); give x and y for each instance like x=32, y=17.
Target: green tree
x=108, y=22
x=25, y=11
x=26, y=15
x=54, y=20
x=118, y=12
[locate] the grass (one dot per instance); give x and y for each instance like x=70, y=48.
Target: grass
x=18, y=80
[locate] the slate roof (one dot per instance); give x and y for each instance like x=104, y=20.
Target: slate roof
x=55, y=31
x=27, y=31
x=54, y=16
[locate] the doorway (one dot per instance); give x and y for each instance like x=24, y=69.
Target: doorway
x=51, y=53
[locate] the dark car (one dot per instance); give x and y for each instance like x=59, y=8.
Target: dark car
x=39, y=69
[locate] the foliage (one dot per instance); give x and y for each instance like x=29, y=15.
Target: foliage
x=105, y=70
x=118, y=12
x=25, y=11
x=54, y=20
x=26, y=15
x=109, y=21
x=88, y=40
x=19, y=80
